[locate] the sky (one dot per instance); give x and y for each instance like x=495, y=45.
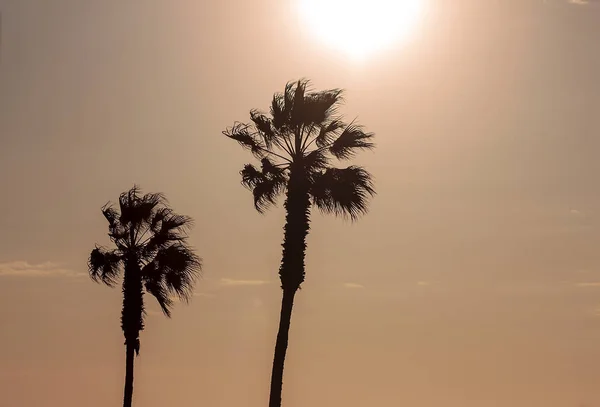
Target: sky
x=474, y=281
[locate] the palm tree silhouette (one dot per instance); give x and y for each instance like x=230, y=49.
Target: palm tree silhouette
x=296, y=145
x=152, y=252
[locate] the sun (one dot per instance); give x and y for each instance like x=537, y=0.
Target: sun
x=361, y=27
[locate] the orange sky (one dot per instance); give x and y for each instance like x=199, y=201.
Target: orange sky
x=473, y=282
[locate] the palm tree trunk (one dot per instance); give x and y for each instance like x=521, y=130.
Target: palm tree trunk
x=132, y=321
x=128, y=393
x=291, y=271
x=281, y=345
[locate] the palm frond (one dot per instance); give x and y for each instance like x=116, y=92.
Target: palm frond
x=251, y=176
x=128, y=202
x=328, y=132
x=353, y=138
x=343, y=191
x=318, y=107
x=315, y=160
x=266, y=192
x=278, y=112
x=158, y=217
x=155, y=285
x=288, y=97
x=172, y=228
x=116, y=231
x=297, y=108
x=264, y=127
x=105, y=265
x=161, y=294
x=146, y=206
x=270, y=169
x=110, y=213
x=175, y=223
x=266, y=185
x=180, y=268
x=240, y=132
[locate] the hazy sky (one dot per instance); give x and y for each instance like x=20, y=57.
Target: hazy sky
x=473, y=282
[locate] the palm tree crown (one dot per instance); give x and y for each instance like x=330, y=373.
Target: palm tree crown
x=305, y=135
x=150, y=240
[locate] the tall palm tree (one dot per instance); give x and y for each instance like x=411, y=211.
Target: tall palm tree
x=297, y=145
x=152, y=253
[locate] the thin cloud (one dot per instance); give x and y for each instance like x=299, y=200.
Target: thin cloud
x=424, y=283
x=353, y=285
x=234, y=282
x=588, y=284
x=583, y=2
x=26, y=269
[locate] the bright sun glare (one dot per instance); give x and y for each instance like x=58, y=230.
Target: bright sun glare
x=361, y=27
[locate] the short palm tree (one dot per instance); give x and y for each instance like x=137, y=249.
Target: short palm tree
x=297, y=145
x=151, y=252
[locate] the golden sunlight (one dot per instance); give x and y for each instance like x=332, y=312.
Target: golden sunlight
x=361, y=27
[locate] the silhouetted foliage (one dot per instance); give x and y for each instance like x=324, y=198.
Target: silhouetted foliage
x=152, y=255
x=297, y=145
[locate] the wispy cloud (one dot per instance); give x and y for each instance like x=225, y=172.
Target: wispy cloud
x=583, y=2
x=588, y=284
x=26, y=269
x=353, y=285
x=234, y=282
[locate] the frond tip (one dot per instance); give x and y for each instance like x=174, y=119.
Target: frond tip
x=343, y=191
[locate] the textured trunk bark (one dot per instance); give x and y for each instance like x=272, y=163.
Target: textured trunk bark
x=281, y=345
x=130, y=358
x=291, y=271
x=131, y=321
